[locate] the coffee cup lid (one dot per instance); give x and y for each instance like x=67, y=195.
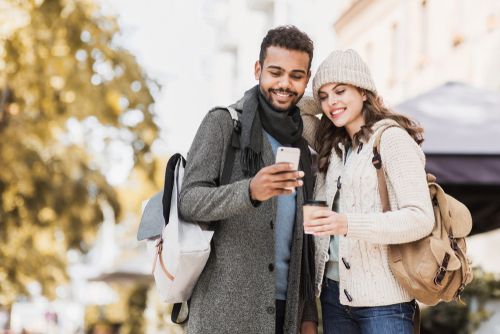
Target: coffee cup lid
x=315, y=203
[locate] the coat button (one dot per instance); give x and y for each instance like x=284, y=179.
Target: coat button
x=346, y=264
x=349, y=298
x=272, y=226
x=270, y=310
x=271, y=267
x=339, y=185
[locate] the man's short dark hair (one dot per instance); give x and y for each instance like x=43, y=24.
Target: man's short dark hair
x=287, y=37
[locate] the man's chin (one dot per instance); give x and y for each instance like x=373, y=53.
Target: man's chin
x=282, y=107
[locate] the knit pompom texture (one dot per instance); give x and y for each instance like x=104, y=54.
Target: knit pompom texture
x=343, y=67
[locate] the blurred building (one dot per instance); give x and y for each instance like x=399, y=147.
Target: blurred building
x=412, y=46
x=242, y=24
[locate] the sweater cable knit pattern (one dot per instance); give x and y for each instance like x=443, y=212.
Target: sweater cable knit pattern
x=369, y=280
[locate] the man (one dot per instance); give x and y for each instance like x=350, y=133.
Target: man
x=258, y=277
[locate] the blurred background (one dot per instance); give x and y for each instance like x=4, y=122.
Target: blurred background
x=96, y=95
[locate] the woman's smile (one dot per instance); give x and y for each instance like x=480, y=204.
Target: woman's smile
x=337, y=112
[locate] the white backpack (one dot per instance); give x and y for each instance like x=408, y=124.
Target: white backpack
x=178, y=250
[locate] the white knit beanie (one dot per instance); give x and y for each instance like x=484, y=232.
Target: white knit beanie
x=343, y=67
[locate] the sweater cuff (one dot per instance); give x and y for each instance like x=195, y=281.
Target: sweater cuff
x=255, y=203
x=359, y=226
x=310, y=312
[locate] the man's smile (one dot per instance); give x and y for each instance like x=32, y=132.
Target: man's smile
x=282, y=95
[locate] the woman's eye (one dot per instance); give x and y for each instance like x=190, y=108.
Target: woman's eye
x=322, y=98
x=340, y=92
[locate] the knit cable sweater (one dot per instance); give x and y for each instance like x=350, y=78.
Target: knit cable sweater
x=370, y=281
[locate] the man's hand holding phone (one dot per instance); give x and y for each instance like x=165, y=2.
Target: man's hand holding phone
x=280, y=178
x=272, y=181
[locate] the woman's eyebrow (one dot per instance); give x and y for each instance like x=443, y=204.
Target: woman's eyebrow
x=321, y=92
x=341, y=84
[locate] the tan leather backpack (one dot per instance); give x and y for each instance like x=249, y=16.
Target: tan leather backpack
x=433, y=268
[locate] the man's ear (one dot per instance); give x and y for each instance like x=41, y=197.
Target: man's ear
x=308, y=77
x=258, y=69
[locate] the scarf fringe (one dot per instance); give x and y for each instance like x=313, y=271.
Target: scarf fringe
x=250, y=161
x=307, y=284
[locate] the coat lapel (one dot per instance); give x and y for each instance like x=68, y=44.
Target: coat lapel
x=269, y=159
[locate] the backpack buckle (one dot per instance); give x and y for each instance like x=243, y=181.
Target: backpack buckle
x=441, y=273
x=459, y=292
x=159, y=241
x=237, y=125
x=453, y=241
x=377, y=160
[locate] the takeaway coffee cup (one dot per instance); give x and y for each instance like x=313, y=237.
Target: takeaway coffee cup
x=312, y=206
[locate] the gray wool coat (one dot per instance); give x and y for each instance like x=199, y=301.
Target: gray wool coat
x=236, y=292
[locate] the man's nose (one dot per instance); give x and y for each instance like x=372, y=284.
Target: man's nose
x=284, y=82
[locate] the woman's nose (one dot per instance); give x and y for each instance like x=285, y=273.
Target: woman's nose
x=332, y=101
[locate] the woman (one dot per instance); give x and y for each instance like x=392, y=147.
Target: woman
x=359, y=293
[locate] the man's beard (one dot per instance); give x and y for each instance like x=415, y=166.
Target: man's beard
x=275, y=105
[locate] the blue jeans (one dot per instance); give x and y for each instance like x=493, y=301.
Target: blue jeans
x=338, y=318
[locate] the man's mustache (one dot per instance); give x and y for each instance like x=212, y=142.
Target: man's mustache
x=287, y=91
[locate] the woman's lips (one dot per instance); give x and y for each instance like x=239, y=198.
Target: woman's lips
x=337, y=112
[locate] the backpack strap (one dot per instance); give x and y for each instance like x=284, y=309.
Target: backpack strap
x=386, y=206
x=377, y=162
x=226, y=175
x=233, y=146
x=176, y=309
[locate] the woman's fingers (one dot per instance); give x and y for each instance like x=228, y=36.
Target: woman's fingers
x=319, y=222
x=320, y=214
x=328, y=229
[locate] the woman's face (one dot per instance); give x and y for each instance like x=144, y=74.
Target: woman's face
x=342, y=104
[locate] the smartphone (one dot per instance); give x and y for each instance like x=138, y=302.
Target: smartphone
x=288, y=155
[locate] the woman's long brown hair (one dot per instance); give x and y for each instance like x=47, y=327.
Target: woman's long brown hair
x=329, y=136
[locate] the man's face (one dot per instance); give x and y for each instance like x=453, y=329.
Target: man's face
x=283, y=77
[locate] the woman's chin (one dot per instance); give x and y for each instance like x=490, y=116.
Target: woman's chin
x=338, y=122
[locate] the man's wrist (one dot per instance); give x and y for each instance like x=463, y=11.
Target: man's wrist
x=254, y=202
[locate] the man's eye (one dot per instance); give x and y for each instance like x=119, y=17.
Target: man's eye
x=275, y=73
x=296, y=77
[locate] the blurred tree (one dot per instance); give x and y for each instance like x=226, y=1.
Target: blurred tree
x=457, y=318
x=135, y=322
x=73, y=106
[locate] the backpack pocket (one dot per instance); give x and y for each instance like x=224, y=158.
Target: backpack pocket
x=435, y=271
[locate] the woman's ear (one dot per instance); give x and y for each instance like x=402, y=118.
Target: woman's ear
x=363, y=95
x=380, y=100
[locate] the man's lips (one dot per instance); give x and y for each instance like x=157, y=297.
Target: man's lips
x=336, y=112
x=282, y=96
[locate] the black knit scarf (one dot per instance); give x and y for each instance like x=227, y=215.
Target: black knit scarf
x=285, y=128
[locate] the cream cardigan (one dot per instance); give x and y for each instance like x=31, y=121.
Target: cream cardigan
x=370, y=281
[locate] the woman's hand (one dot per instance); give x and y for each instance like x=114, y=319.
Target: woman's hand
x=325, y=222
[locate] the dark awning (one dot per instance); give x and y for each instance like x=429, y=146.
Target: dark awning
x=458, y=119
x=462, y=146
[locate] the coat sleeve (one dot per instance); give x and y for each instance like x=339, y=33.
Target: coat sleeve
x=201, y=199
x=320, y=187
x=310, y=311
x=414, y=217
x=308, y=110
